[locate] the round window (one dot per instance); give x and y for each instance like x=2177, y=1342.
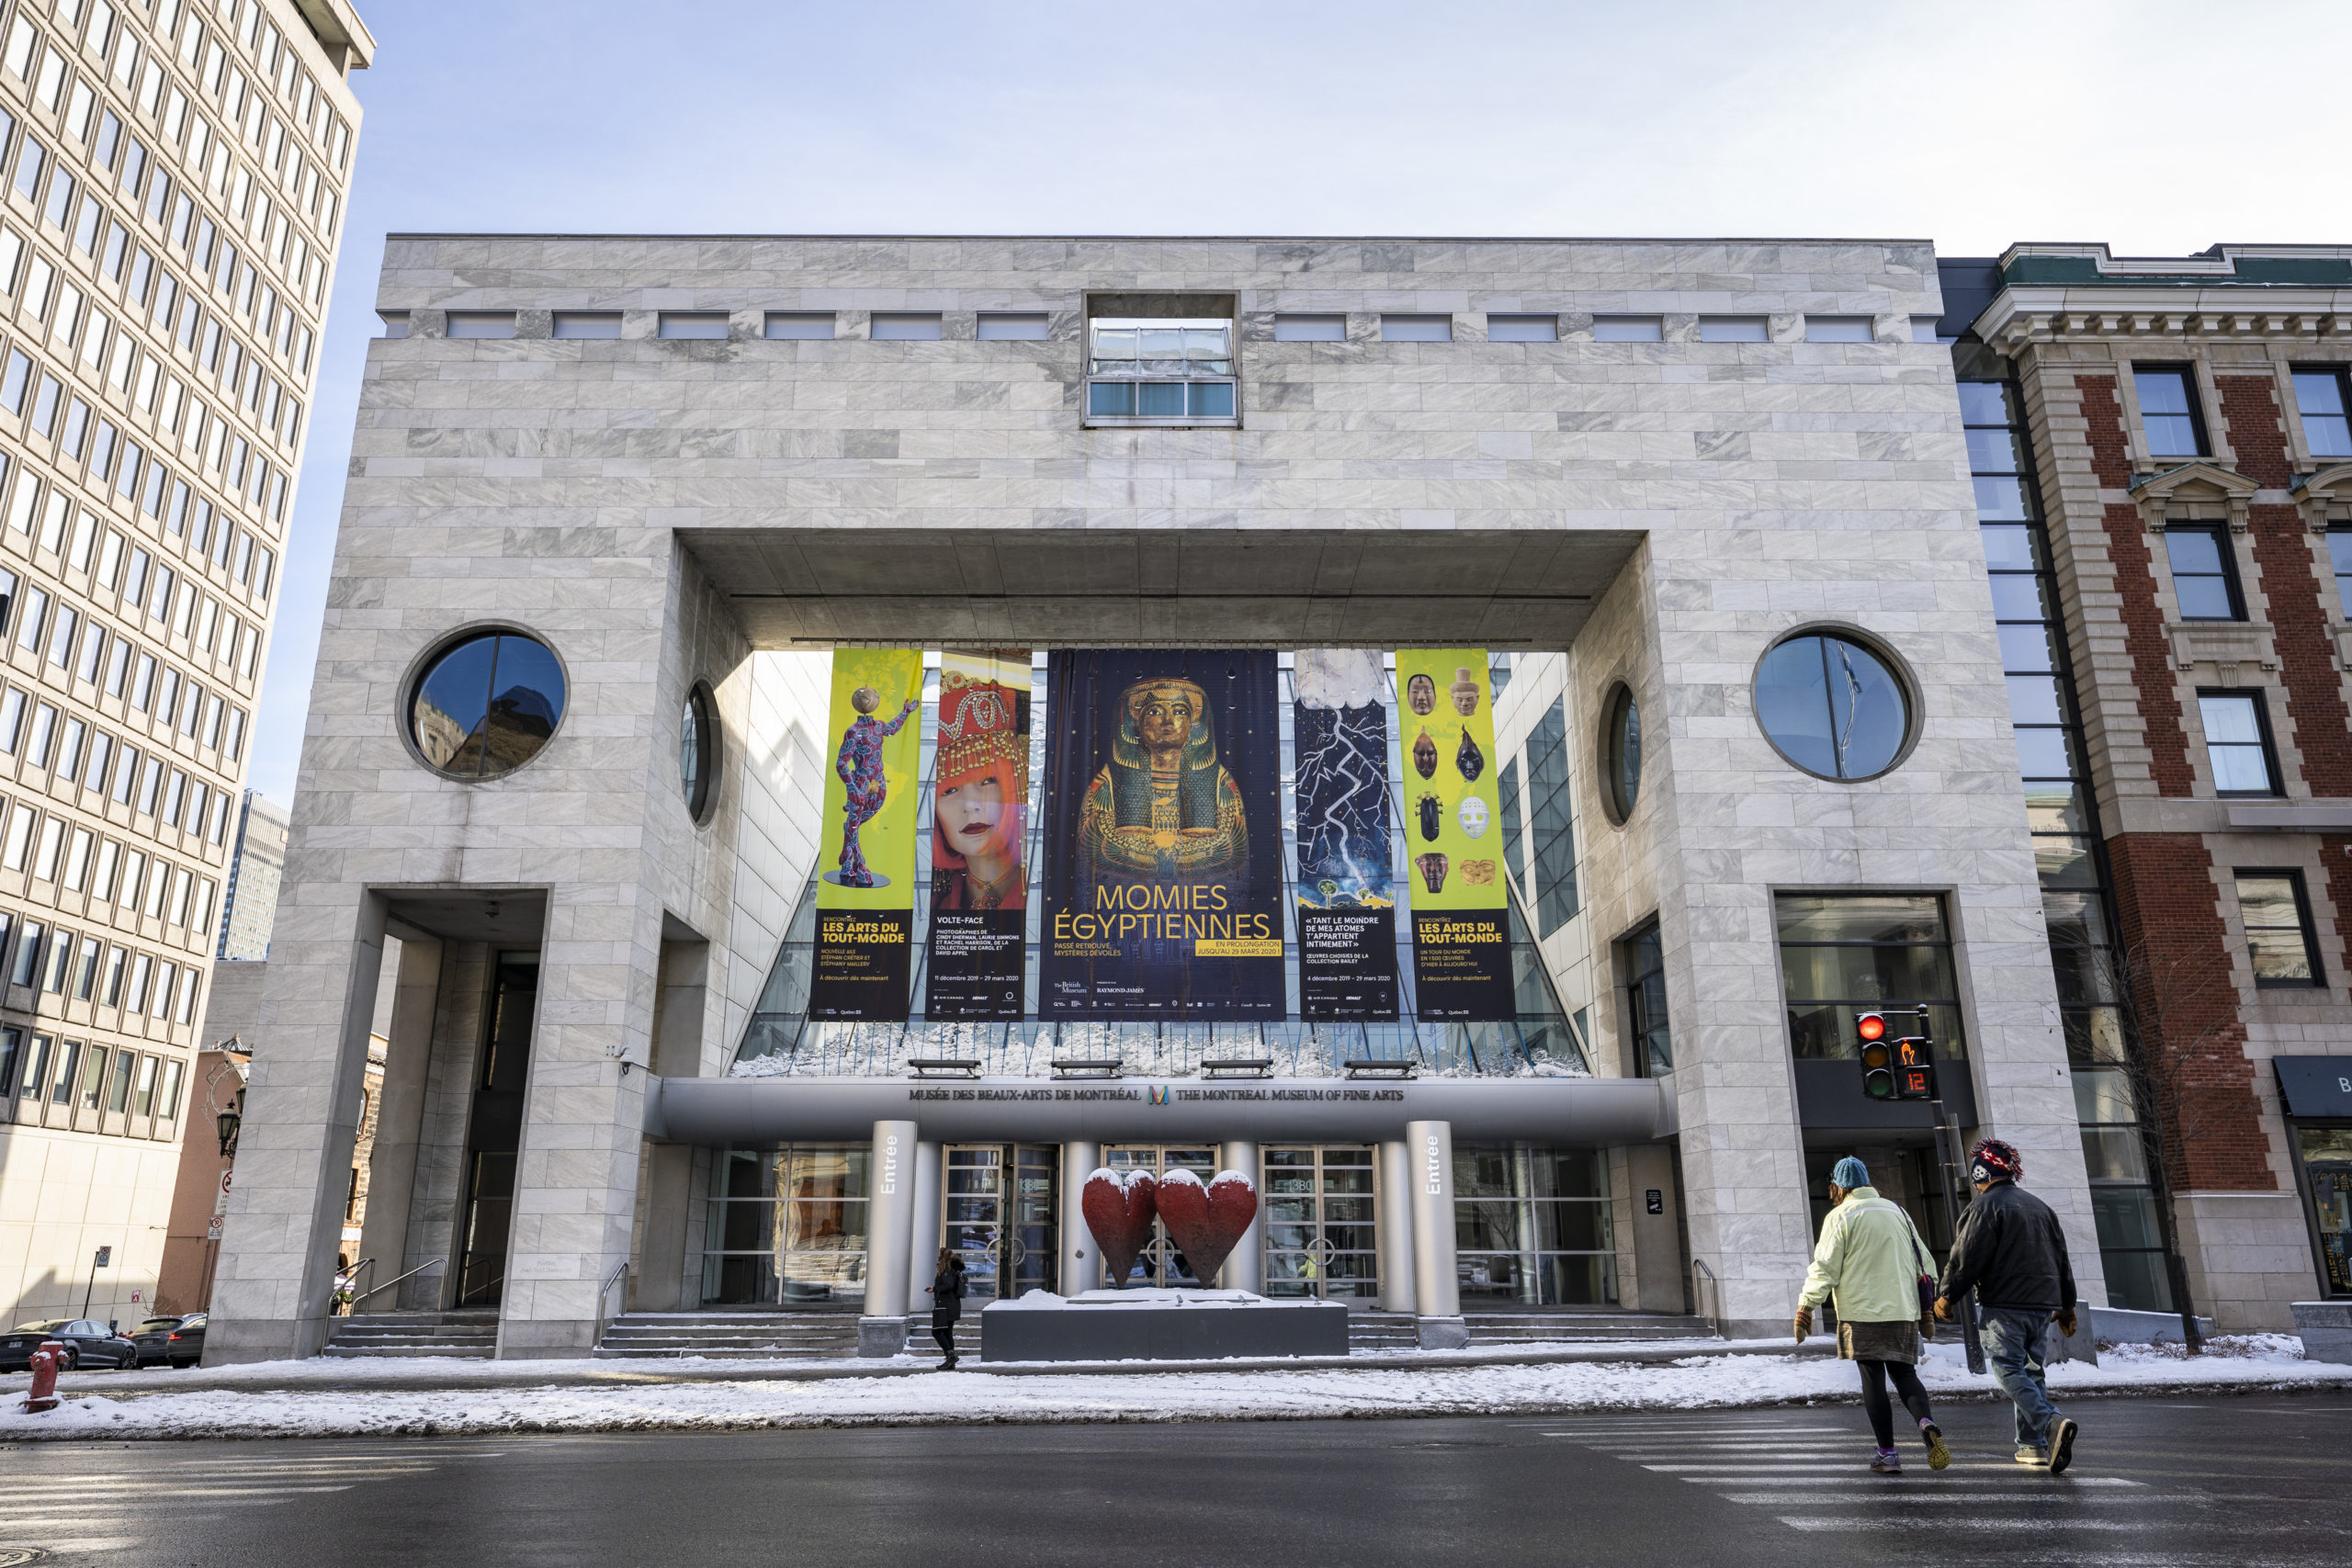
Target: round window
x=1622, y=753
x=486, y=705
x=697, y=751
x=1832, y=705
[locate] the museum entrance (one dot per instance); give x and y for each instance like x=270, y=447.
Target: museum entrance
x=1322, y=1223
x=1160, y=1263
x=999, y=1214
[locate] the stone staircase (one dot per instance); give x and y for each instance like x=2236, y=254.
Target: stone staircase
x=466, y=1331
x=1581, y=1328
x=739, y=1335
x=832, y=1331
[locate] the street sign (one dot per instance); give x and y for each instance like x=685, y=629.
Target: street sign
x=106, y=1256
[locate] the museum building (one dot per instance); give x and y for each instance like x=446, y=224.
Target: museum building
x=852, y=735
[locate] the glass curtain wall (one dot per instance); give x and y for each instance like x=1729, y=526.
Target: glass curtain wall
x=1532, y=1227
x=1843, y=954
x=2076, y=896
x=782, y=1039
x=786, y=1225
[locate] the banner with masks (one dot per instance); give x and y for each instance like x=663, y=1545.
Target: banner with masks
x=1163, y=884
x=1461, y=929
x=1347, y=906
x=865, y=883
x=979, y=836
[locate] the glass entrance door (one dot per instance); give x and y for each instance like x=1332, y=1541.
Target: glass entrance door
x=1160, y=1263
x=1322, y=1230
x=998, y=1215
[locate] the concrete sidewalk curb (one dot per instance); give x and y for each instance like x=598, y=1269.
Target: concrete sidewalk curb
x=654, y=1373
x=529, y=1375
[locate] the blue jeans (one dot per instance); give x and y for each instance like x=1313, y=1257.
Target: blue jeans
x=2013, y=1344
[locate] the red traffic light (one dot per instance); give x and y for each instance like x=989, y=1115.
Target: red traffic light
x=1870, y=1026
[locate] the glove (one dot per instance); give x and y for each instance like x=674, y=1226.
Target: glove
x=1944, y=1309
x=2067, y=1323
x=1804, y=1322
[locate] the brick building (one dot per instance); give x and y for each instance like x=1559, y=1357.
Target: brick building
x=2169, y=440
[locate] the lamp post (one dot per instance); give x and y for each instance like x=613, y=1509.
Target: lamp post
x=230, y=1121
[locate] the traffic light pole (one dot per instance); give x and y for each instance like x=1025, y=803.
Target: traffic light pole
x=1963, y=1309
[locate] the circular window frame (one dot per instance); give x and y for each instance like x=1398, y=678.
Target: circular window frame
x=1914, y=704
x=1620, y=693
x=439, y=648
x=711, y=736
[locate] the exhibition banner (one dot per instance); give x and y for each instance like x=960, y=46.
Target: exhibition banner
x=979, y=835
x=1461, y=928
x=1347, y=906
x=865, y=892
x=1163, y=884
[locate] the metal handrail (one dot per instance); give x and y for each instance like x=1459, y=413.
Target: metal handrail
x=351, y=1281
x=389, y=1283
x=604, y=1294
x=1714, y=1294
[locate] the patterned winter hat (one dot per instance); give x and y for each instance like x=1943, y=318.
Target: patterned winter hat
x=1851, y=1173
x=1994, y=1160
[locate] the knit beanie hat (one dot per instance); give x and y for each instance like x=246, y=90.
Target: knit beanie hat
x=1994, y=1160
x=1851, y=1173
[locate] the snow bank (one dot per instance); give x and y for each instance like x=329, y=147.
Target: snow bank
x=1695, y=1382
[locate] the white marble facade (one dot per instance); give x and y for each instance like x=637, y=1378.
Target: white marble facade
x=612, y=498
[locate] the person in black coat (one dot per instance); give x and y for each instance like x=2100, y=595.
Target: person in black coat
x=946, y=1303
x=2012, y=1251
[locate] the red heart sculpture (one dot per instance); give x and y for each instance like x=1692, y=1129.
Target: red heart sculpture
x=1207, y=1223
x=1118, y=1206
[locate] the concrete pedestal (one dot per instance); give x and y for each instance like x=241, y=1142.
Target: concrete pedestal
x=2326, y=1328
x=1161, y=1326
x=881, y=1336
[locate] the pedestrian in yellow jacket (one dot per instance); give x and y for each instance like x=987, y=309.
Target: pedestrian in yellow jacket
x=1869, y=1263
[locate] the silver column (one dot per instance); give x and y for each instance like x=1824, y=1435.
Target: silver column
x=1079, y=1268
x=1395, y=1227
x=890, y=1231
x=1437, y=1292
x=1245, y=1268
x=922, y=1248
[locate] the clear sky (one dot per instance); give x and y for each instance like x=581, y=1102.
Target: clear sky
x=2158, y=126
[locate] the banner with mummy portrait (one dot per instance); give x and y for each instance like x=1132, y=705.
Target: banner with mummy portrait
x=1347, y=904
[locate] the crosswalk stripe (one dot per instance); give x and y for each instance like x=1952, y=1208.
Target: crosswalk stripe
x=66, y=1491
x=1895, y=1497
x=1878, y=1482
x=1808, y=1468
x=1847, y=1522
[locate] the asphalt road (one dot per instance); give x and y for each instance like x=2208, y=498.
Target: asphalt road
x=2262, y=1479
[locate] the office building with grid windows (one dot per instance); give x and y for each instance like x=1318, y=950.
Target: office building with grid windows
x=173, y=176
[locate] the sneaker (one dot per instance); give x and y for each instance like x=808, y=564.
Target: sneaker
x=1939, y=1456
x=2062, y=1445
x=2029, y=1454
x=1888, y=1463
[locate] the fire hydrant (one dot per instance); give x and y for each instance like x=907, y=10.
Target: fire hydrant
x=42, y=1395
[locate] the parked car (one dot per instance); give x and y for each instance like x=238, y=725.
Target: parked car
x=88, y=1342
x=170, y=1340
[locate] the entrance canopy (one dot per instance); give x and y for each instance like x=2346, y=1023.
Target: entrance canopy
x=1282, y=587
x=758, y=1111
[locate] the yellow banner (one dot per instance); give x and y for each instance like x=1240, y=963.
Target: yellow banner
x=1453, y=812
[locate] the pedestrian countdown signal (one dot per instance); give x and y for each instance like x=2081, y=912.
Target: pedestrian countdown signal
x=1900, y=1068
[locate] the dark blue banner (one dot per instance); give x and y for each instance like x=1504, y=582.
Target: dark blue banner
x=1163, y=840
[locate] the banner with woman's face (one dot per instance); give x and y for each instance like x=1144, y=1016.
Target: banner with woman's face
x=980, y=831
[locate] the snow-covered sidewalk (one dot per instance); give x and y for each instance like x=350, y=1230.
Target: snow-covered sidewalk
x=270, y=1401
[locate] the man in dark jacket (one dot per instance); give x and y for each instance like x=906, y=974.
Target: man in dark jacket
x=2011, y=1249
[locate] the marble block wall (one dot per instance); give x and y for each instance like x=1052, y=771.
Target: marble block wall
x=545, y=483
